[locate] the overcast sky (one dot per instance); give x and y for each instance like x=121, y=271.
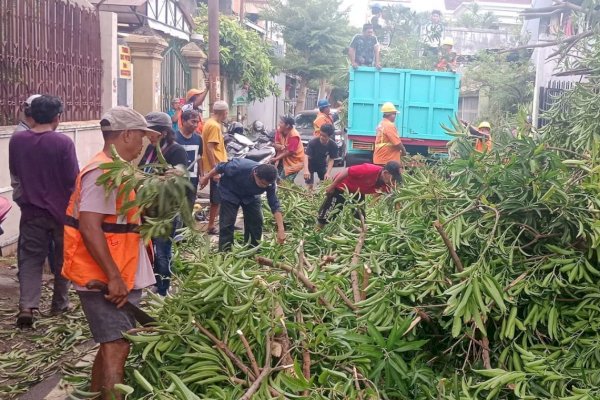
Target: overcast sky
x=360, y=8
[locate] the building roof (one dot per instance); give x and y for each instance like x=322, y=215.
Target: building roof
x=453, y=4
x=173, y=17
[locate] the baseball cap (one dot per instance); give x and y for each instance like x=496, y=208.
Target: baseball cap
x=191, y=93
x=220, y=106
x=30, y=99
x=123, y=118
x=157, y=118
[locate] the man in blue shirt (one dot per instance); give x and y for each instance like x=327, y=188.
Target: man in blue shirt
x=241, y=184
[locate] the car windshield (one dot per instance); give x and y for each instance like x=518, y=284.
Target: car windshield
x=305, y=121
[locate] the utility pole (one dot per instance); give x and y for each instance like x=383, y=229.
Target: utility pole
x=213, y=53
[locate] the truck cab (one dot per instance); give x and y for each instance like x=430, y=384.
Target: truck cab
x=425, y=99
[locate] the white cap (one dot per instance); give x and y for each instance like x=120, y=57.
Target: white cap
x=220, y=106
x=30, y=99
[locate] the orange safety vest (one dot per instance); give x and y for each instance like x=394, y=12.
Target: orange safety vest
x=387, y=136
x=321, y=120
x=121, y=233
x=295, y=161
x=483, y=145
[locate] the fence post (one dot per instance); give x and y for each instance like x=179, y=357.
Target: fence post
x=146, y=56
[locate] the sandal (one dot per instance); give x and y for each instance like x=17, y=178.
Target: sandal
x=212, y=231
x=25, y=319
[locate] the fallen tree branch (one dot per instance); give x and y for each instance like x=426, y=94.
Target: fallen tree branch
x=249, y=352
x=356, y=258
x=444, y=235
x=485, y=346
x=301, y=277
x=345, y=299
x=327, y=260
x=365, y=282
x=567, y=40
x=306, y=363
x=265, y=372
x=223, y=347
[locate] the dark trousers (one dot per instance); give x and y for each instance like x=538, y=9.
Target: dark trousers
x=35, y=238
x=162, y=260
x=253, y=222
x=334, y=203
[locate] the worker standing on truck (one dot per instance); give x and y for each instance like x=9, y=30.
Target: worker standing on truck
x=323, y=117
x=447, y=57
x=364, y=49
x=388, y=146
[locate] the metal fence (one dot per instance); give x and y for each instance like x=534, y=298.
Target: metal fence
x=175, y=75
x=49, y=47
x=549, y=95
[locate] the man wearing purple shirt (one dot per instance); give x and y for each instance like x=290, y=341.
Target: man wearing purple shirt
x=45, y=164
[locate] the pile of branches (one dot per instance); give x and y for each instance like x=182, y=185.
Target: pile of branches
x=475, y=279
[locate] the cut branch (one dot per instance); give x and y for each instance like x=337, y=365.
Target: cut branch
x=356, y=258
x=249, y=352
x=345, y=299
x=444, y=235
x=567, y=40
x=265, y=372
x=301, y=277
x=223, y=347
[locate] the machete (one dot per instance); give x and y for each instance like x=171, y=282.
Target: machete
x=140, y=316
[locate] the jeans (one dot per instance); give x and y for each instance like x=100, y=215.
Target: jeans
x=162, y=261
x=253, y=222
x=35, y=236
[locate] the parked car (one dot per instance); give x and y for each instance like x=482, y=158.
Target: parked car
x=304, y=126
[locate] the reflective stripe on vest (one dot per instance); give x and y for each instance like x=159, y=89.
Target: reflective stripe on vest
x=121, y=233
x=107, y=227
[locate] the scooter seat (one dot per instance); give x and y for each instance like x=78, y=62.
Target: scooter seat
x=259, y=154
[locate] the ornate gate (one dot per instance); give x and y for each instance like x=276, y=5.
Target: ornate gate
x=175, y=74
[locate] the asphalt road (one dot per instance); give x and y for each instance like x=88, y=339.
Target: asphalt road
x=300, y=178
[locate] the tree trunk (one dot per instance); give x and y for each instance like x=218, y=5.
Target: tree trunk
x=301, y=95
x=322, y=89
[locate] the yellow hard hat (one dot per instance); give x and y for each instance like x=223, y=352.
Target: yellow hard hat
x=484, y=124
x=388, y=108
x=448, y=41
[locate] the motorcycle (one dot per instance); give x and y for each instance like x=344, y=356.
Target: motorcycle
x=238, y=145
x=5, y=207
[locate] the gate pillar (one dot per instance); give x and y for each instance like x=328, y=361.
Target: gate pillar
x=146, y=56
x=196, y=59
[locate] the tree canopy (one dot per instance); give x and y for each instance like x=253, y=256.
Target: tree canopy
x=245, y=57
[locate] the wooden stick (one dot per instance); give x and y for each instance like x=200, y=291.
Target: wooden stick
x=306, y=363
x=226, y=350
x=444, y=235
x=355, y=259
x=356, y=384
x=365, y=282
x=327, y=260
x=249, y=352
x=485, y=345
x=305, y=281
x=345, y=299
x=265, y=372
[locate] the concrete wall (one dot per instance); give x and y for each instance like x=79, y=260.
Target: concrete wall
x=88, y=141
x=270, y=109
